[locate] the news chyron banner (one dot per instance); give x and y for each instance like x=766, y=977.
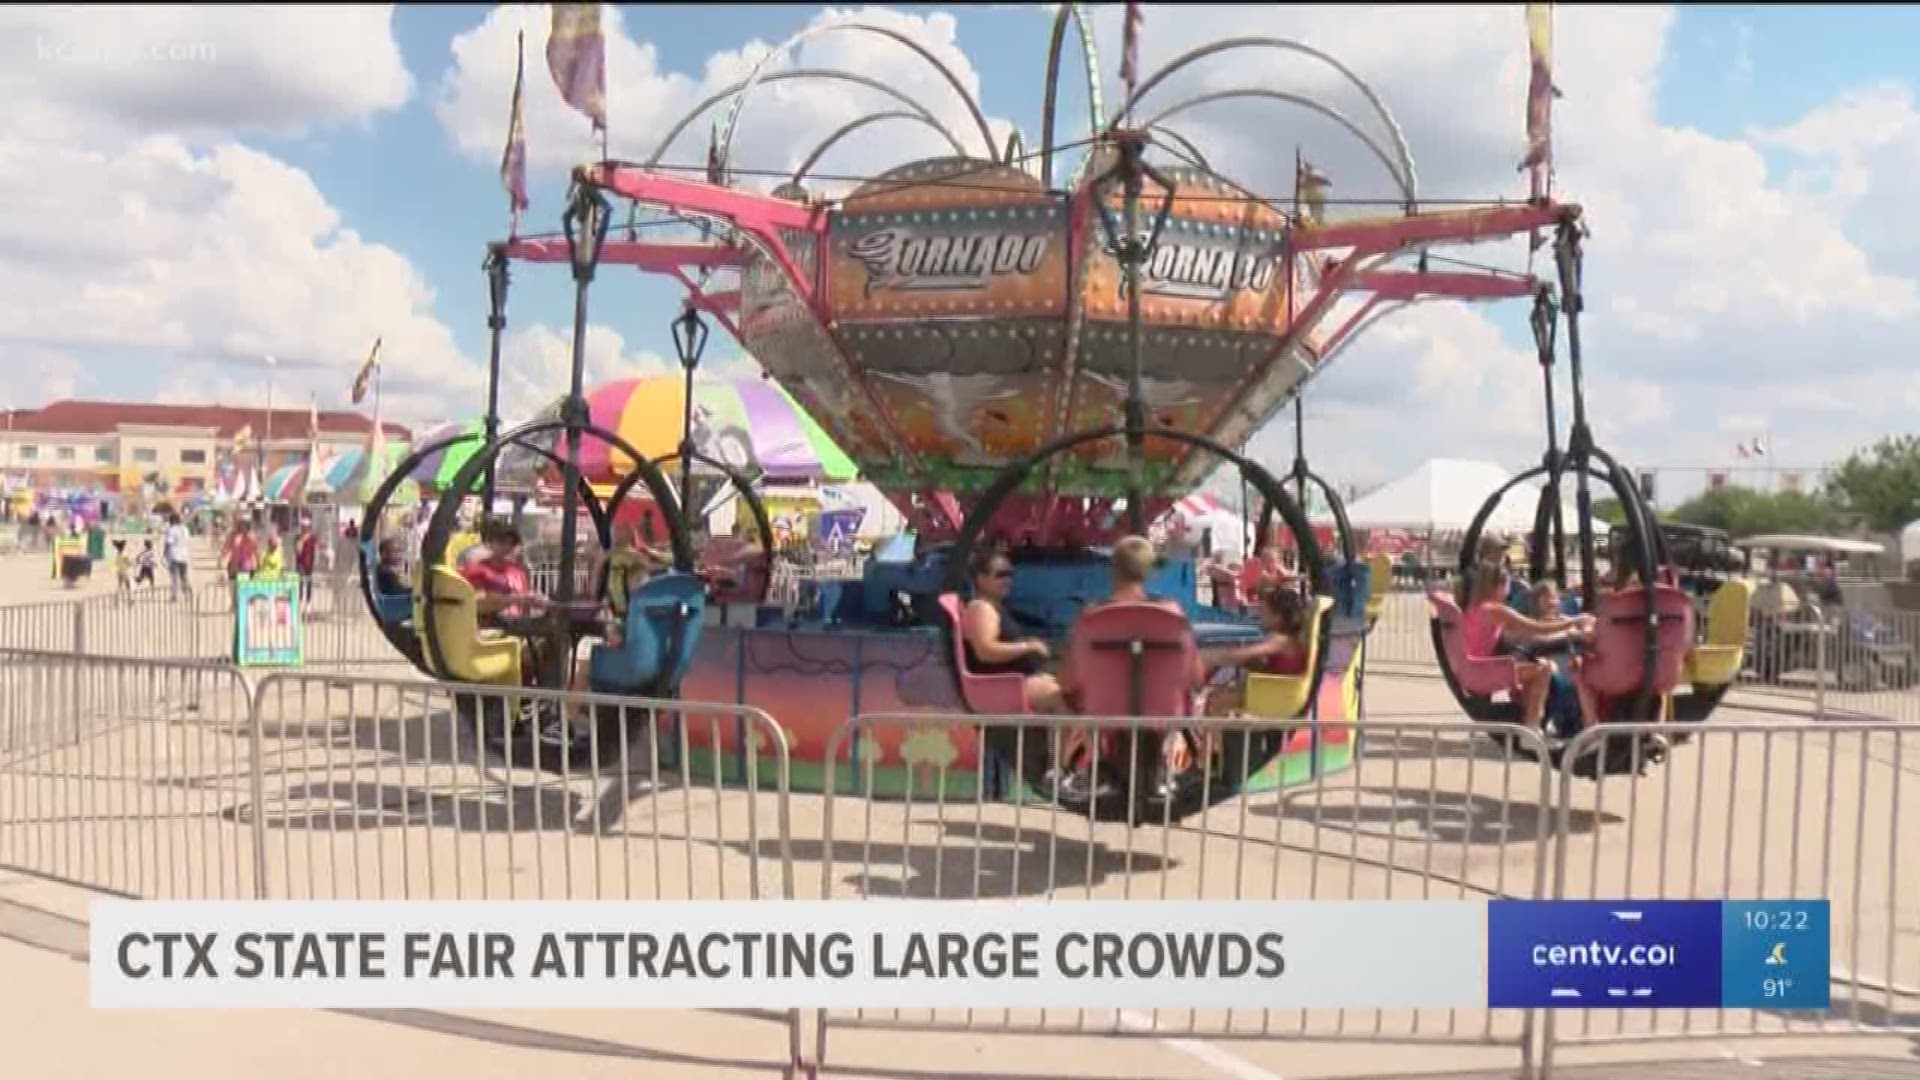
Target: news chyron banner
x=959, y=954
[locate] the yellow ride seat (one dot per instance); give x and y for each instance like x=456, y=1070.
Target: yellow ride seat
x=1282, y=697
x=1379, y=584
x=470, y=654
x=1716, y=660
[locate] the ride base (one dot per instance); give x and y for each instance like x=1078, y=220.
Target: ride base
x=812, y=674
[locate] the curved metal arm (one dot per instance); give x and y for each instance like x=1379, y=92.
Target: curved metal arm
x=1092, y=59
x=828, y=74
x=754, y=79
x=1199, y=159
x=1286, y=45
x=1403, y=179
x=852, y=126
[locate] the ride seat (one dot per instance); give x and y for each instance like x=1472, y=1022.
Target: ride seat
x=989, y=695
x=1379, y=585
x=1226, y=588
x=1478, y=676
x=1283, y=697
x=1616, y=663
x=661, y=629
x=1134, y=659
x=1716, y=660
x=391, y=609
x=469, y=653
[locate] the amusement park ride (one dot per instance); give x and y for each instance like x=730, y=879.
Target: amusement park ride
x=1043, y=368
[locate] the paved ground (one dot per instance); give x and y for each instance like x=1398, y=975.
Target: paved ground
x=372, y=791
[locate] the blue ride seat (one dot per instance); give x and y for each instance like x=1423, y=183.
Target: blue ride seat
x=393, y=609
x=1351, y=585
x=662, y=628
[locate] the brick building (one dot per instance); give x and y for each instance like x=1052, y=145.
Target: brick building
x=114, y=445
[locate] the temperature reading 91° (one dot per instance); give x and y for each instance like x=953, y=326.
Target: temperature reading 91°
x=1776, y=988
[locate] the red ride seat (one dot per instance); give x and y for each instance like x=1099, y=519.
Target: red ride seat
x=988, y=695
x=1134, y=659
x=1480, y=676
x=1617, y=660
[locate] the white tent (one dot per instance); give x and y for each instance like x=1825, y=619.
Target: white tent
x=1910, y=543
x=1444, y=494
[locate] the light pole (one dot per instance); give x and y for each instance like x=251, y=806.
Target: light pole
x=266, y=442
x=689, y=341
x=585, y=225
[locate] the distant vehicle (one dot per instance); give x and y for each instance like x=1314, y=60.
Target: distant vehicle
x=1864, y=650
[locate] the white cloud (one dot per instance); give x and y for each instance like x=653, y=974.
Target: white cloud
x=141, y=233
x=781, y=122
x=281, y=68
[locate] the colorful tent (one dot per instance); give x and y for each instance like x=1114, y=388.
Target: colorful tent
x=436, y=469
x=750, y=424
x=344, y=475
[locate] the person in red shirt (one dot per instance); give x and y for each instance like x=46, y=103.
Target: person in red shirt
x=502, y=580
x=240, y=554
x=306, y=549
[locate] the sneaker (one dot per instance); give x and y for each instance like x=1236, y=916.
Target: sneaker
x=1068, y=786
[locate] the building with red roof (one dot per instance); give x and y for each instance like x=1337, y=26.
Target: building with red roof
x=115, y=445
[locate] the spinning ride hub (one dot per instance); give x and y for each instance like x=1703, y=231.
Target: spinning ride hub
x=951, y=316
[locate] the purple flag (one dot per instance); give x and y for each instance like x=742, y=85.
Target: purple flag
x=577, y=57
x=513, y=160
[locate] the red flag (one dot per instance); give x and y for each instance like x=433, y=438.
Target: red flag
x=513, y=160
x=577, y=58
x=1130, y=46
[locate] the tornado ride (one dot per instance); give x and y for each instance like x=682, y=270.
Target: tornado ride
x=1038, y=366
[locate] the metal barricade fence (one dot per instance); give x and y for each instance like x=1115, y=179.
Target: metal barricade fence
x=386, y=789
x=1758, y=811
x=1403, y=635
x=1433, y=810
x=52, y=624
x=128, y=776
x=383, y=789
x=1872, y=664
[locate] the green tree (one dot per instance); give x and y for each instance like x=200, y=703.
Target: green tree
x=1609, y=511
x=1745, y=512
x=1881, y=483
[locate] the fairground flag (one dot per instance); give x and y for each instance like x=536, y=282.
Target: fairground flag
x=1759, y=447
x=1540, y=88
x=1312, y=187
x=513, y=160
x=1744, y=450
x=1130, y=46
x=577, y=57
x=364, y=380
x=716, y=165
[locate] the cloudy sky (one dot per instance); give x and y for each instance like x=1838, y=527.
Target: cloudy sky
x=184, y=192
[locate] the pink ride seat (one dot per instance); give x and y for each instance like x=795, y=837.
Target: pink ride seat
x=1480, y=676
x=1133, y=659
x=988, y=695
x=1618, y=658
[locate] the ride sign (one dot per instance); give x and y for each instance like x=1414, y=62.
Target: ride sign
x=266, y=623
x=1698, y=954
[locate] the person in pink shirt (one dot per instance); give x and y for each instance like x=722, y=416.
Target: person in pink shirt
x=1489, y=623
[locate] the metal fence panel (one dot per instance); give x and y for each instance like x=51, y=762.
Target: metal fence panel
x=386, y=789
x=1759, y=811
x=128, y=776
x=1402, y=636
x=1433, y=810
